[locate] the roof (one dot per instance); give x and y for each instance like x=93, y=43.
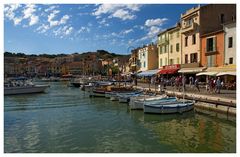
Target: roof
x=167, y=30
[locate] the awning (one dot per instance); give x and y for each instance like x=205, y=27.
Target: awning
x=168, y=71
x=191, y=70
x=207, y=73
x=225, y=68
x=149, y=72
x=227, y=73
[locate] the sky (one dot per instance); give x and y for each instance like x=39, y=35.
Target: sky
x=70, y=28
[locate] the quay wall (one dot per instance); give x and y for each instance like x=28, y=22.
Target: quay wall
x=203, y=102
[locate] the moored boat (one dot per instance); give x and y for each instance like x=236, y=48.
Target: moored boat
x=170, y=107
x=22, y=87
x=136, y=103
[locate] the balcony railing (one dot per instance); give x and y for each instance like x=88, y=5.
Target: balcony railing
x=189, y=28
x=163, y=42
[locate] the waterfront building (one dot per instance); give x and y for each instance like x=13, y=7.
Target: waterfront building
x=175, y=52
x=75, y=68
x=212, y=48
x=133, y=61
x=230, y=42
x=148, y=57
x=190, y=34
x=163, y=48
x=212, y=18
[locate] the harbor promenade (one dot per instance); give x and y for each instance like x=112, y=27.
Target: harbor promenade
x=227, y=94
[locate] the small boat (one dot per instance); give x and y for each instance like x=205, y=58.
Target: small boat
x=170, y=107
x=97, y=93
x=136, y=103
x=125, y=97
x=17, y=86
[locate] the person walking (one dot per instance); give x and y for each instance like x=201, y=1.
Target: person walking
x=196, y=84
x=184, y=83
x=218, y=85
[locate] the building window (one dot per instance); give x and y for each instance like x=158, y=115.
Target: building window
x=166, y=61
x=144, y=64
x=171, y=48
x=177, y=34
x=230, y=60
x=178, y=60
x=171, y=36
x=189, y=22
x=222, y=18
x=160, y=62
x=230, y=42
x=186, y=58
x=177, y=47
x=194, y=39
x=160, y=49
x=171, y=61
x=193, y=58
x=211, y=60
x=165, y=48
x=211, y=44
x=186, y=41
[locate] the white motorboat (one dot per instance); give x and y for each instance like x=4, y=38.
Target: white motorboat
x=23, y=87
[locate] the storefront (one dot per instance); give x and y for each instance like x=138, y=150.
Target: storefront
x=227, y=73
x=170, y=70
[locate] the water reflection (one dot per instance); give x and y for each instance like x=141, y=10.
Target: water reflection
x=190, y=132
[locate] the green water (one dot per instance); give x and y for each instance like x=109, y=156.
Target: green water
x=65, y=119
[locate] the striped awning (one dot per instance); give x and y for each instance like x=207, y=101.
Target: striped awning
x=207, y=73
x=191, y=70
x=149, y=72
x=233, y=73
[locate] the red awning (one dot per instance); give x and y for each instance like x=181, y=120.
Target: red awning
x=168, y=71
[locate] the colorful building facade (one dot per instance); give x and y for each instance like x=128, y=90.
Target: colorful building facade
x=147, y=56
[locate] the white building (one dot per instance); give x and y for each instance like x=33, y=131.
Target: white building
x=230, y=43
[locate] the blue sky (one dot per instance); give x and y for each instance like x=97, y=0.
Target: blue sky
x=70, y=28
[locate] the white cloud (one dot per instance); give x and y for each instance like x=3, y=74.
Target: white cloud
x=29, y=10
x=83, y=29
x=127, y=31
x=63, y=31
x=17, y=21
x=53, y=22
x=33, y=20
x=155, y=22
x=9, y=10
x=123, y=14
x=121, y=11
x=51, y=8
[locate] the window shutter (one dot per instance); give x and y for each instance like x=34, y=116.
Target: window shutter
x=214, y=44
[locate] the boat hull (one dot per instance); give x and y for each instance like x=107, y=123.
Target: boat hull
x=138, y=104
x=168, y=108
x=24, y=90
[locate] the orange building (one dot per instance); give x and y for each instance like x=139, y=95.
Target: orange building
x=212, y=49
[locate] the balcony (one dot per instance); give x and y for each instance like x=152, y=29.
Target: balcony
x=189, y=28
x=163, y=42
x=211, y=51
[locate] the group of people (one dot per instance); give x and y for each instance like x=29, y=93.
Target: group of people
x=213, y=85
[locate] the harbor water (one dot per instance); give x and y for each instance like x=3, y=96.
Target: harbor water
x=65, y=119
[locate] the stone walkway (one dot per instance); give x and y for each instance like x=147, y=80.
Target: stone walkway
x=229, y=94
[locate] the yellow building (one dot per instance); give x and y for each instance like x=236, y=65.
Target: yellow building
x=169, y=47
x=147, y=56
x=175, y=52
x=190, y=33
x=163, y=48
